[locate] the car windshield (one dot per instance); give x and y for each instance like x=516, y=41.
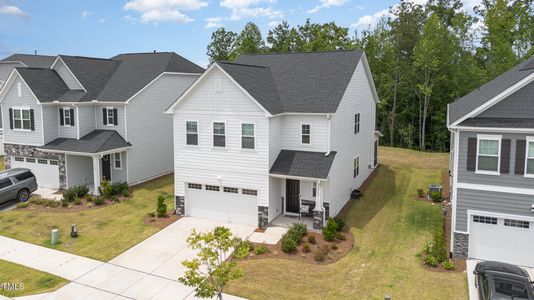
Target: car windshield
x=509, y=288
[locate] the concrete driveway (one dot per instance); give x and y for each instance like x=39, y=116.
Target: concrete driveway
x=149, y=270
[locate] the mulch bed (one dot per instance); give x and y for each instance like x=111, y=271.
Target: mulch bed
x=83, y=206
x=161, y=222
x=275, y=251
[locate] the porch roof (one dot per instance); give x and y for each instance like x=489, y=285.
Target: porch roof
x=303, y=164
x=96, y=141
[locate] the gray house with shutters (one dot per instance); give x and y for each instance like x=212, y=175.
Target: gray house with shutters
x=492, y=169
x=80, y=120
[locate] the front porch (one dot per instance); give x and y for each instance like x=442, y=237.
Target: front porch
x=286, y=221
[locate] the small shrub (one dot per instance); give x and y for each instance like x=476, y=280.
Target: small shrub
x=340, y=223
x=334, y=247
x=114, y=198
x=321, y=253
x=330, y=230
x=340, y=236
x=306, y=248
x=120, y=188
x=81, y=190
x=298, y=230
x=448, y=265
x=249, y=245
x=89, y=198
x=161, y=208
x=77, y=201
x=106, y=189
x=435, y=196
x=420, y=193
x=288, y=244
x=151, y=214
x=69, y=195
x=64, y=202
x=431, y=261
x=312, y=240
x=99, y=201
x=22, y=204
x=261, y=249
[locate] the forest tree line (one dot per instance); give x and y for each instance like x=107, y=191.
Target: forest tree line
x=422, y=57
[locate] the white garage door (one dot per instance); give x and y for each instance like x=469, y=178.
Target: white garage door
x=509, y=239
x=222, y=203
x=46, y=171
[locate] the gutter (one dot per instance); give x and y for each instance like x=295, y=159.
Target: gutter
x=328, y=138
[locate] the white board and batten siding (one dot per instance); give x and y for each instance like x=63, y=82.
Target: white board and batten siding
x=27, y=100
x=67, y=76
x=150, y=130
x=219, y=99
x=358, y=98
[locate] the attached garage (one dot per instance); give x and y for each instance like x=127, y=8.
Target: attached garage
x=501, y=238
x=46, y=171
x=226, y=204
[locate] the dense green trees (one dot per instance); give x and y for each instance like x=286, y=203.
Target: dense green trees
x=422, y=57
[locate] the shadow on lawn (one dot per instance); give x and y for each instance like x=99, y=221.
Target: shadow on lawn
x=375, y=196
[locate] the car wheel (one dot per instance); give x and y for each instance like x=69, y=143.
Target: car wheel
x=23, y=195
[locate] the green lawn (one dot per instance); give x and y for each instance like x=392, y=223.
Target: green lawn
x=103, y=232
x=33, y=281
x=389, y=227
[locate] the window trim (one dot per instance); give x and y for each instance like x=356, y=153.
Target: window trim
x=108, y=109
x=482, y=219
x=22, y=108
x=230, y=190
x=355, y=169
x=212, y=188
x=529, y=139
x=253, y=136
x=302, y=134
x=187, y=133
x=314, y=189
x=194, y=186
x=65, y=110
x=357, y=123
x=115, y=161
x=497, y=138
x=213, y=135
x=249, y=192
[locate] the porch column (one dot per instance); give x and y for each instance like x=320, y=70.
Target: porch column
x=96, y=174
x=318, y=212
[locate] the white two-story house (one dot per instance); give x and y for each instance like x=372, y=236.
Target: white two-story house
x=278, y=134
x=82, y=120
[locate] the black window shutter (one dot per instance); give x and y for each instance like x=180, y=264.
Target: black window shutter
x=32, y=121
x=72, y=117
x=105, y=115
x=520, y=151
x=505, y=156
x=115, y=119
x=61, y=120
x=11, y=118
x=471, y=154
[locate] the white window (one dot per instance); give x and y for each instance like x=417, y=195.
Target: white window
x=230, y=190
x=42, y=161
x=219, y=134
x=249, y=192
x=19, y=158
x=485, y=220
x=54, y=162
x=356, y=167
x=212, y=188
x=30, y=160
x=117, y=161
x=67, y=117
x=191, y=128
x=516, y=223
x=110, y=116
x=21, y=119
x=19, y=89
x=488, y=154
x=195, y=186
x=306, y=134
x=314, y=189
x=356, y=123
x=529, y=168
x=247, y=136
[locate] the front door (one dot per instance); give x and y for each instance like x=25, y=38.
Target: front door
x=292, y=196
x=106, y=167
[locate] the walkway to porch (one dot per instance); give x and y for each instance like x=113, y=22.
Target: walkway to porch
x=286, y=221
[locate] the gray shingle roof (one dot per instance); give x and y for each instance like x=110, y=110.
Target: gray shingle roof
x=32, y=61
x=45, y=83
x=499, y=122
x=303, y=164
x=310, y=82
x=486, y=92
x=94, y=142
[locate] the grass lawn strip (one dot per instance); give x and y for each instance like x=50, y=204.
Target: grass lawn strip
x=32, y=281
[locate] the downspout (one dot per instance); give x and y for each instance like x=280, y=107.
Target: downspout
x=328, y=136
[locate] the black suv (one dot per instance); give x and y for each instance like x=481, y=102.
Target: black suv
x=497, y=280
x=16, y=184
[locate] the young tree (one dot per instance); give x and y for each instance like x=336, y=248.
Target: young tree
x=323, y=37
x=222, y=45
x=250, y=40
x=213, y=267
x=282, y=38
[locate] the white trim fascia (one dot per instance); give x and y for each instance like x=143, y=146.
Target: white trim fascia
x=301, y=134
x=66, y=171
x=155, y=79
x=297, y=177
x=125, y=123
x=198, y=134
x=495, y=188
x=127, y=168
x=4, y=89
x=42, y=129
x=454, y=196
x=55, y=102
x=77, y=122
x=491, y=129
x=84, y=153
x=301, y=114
x=23, y=144
x=213, y=135
x=369, y=77
x=201, y=78
x=253, y=123
x=66, y=66
x=114, y=160
x=13, y=62
x=497, y=138
x=498, y=215
x=503, y=95
x=529, y=139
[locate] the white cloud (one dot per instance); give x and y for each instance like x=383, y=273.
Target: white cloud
x=249, y=9
x=242, y=3
x=327, y=4
x=86, y=14
x=155, y=11
x=13, y=11
x=213, y=22
x=370, y=20
x=273, y=24
x=102, y=20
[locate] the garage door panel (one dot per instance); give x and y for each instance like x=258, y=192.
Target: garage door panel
x=47, y=175
x=227, y=207
x=501, y=243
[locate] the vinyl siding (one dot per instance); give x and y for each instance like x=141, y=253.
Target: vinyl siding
x=79, y=170
x=67, y=76
x=275, y=138
x=358, y=98
x=507, y=180
x=150, y=130
x=27, y=100
x=292, y=133
x=505, y=203
x=68, y=131
x=119, y=174
x=276, y=192
x=6, y=69
x=50, y=123
x=518, y=105
x=229, y=166
x=86, y=119
x=121, y=127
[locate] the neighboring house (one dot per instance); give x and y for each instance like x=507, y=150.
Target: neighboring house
x=275, y=134
x=492, y=153
x=84, y=119
x=20, y=60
